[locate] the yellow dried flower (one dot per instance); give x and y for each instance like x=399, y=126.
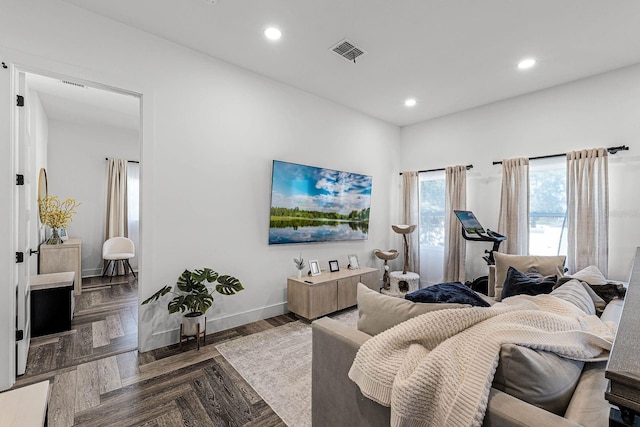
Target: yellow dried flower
x=56, y=213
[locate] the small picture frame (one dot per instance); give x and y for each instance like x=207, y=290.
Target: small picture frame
x=353, y=262
x=63, y=234
x=333, y=265
x=314, y=267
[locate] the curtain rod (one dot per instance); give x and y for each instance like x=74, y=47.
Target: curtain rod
x=611, y=150
x=129, y=161
x=440, y=169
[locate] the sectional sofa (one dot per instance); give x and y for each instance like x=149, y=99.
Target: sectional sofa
x=530, y=387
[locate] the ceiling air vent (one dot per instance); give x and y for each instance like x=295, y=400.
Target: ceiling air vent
x=67, y=82
x=348, y=50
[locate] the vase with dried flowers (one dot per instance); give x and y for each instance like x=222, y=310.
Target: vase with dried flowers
x=56, y=213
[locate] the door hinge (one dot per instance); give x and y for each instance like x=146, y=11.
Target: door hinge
x=19, y=257
x=19, y=179
x=19, y=335
x=20, y=101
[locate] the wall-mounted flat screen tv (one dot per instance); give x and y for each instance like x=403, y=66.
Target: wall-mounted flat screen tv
x=311, y=204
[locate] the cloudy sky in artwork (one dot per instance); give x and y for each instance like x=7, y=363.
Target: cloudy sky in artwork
x=318, y=189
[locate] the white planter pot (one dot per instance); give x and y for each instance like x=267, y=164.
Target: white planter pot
x=190, y=325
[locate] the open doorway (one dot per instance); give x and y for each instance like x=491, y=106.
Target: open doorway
x=73, y=128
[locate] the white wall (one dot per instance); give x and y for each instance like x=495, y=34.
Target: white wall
x=601, y=111
x=78, y=169
x=210, y=133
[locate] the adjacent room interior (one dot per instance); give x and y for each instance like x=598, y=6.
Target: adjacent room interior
x=290, y=170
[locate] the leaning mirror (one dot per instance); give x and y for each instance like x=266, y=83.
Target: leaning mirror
x=43, y=190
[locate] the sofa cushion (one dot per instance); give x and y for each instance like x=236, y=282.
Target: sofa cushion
x=519, y=283
x=597, y=301
x=545, y=265
x=588, y=406
x=378, y=312
x=574, y=292
x=538, y=377
x=591, y=275
x=451, y=292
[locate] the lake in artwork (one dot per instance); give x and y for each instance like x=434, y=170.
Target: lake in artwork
x=310, y=204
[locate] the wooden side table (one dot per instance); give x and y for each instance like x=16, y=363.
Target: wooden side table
x=64, y=257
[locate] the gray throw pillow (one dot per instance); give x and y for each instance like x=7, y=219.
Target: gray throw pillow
x=538, y=377
x=378, y=312
x=575, y=293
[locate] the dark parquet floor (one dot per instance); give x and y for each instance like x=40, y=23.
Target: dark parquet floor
x=99, y=379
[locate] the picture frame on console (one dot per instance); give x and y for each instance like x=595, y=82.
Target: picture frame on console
x=314, y=267
x=353, y=262
x=334, y=266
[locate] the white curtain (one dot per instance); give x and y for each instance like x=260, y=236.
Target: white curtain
x=116, y=221
x=588, y=209
x=411, y=216
x=133, y=207
x=455, y=246
x=116, y=225
x=514, y=206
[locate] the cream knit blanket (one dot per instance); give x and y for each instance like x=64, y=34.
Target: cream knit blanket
x=436, y=369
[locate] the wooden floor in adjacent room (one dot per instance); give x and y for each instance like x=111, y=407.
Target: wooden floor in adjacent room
x=99, y=379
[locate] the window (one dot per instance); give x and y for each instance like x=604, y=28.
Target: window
x=432, y=194
x=431, y=229
x=548, y=206
x=133, y=206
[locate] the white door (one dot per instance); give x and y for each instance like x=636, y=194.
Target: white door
x=23, y=217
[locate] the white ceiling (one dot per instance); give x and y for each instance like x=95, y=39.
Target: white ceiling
x=85, y=105
x=450, y=55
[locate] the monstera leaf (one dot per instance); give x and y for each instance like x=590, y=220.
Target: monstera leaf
x=228, y=285
x=192, y=295
x=162, y=292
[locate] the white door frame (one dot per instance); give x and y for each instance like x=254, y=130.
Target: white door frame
x=8, y=70
x=25, y=216
x=7, y=259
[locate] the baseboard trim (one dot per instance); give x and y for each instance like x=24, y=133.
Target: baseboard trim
x=165, y=338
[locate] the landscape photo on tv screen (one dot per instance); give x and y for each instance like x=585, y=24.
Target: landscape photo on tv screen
x=311, y=204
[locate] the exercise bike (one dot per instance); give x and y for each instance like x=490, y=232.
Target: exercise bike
x=473, y=231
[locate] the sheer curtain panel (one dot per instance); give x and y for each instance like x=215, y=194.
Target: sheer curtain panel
x=514, y=206
x=411, y=216
x=588, y=209
x=455, y=247
x=116, y=222
x=116, y=225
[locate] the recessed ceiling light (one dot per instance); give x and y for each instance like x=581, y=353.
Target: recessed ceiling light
x=411, y=102
x=526, y=64
x=272, y=33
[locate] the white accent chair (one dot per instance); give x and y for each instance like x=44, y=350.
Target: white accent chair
x=118, y=249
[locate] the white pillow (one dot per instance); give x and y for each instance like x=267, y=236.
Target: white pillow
x=591, y=275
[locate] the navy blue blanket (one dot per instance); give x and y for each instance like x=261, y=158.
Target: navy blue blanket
x=453, y=292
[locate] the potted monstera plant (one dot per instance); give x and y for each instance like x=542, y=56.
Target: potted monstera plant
x=193, y=298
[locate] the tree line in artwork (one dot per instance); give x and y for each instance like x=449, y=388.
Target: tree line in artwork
x=296, y=213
